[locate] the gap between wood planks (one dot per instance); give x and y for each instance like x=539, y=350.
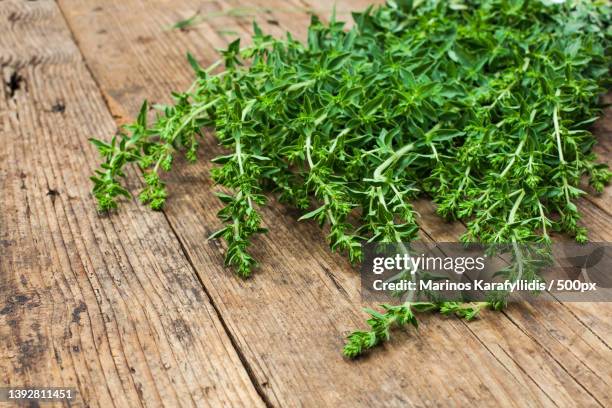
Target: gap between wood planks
x=243, y=359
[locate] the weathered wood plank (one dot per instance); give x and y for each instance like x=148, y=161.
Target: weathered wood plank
x=109, y=306
x=289, y=320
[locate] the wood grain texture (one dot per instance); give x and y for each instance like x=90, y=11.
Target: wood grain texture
x=289, y=321
x=574, y=335
x=109, y=306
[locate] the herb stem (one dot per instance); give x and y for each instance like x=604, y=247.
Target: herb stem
x=558, y=134
x=241, y=166
x=326, y=200
x=562, y=161
x=514, y=156
x=308, y=149
x=390, y=160
x=515, y=207
x=464, y=179
x=543, y=218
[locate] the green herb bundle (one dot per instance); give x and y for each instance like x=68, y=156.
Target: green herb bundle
x=482, y=105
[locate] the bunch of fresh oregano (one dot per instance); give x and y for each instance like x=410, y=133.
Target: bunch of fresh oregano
x=482, y=105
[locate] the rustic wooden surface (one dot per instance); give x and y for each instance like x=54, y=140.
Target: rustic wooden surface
x=136, y=309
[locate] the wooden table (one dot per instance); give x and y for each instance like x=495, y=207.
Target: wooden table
x=136, y=308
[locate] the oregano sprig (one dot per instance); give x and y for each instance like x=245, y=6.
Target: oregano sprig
x=380, y=324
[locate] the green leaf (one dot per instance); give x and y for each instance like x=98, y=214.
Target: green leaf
x=312, y=214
